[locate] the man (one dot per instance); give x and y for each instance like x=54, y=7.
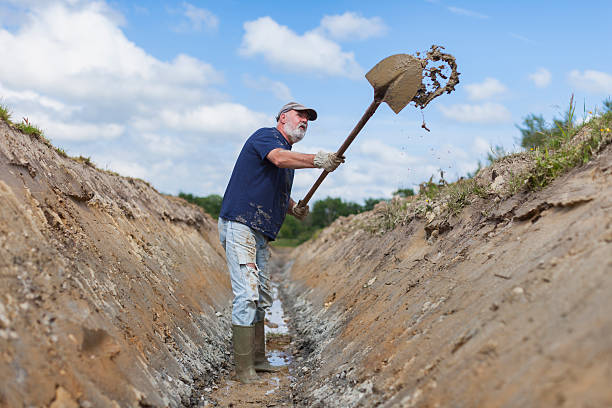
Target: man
x=255, y=203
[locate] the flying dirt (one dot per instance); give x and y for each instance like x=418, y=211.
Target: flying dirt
x=398, y=80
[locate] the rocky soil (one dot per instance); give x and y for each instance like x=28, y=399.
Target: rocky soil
x=111, y=293
x=508, y=305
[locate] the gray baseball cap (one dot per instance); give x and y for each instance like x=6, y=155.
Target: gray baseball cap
x=312, y=114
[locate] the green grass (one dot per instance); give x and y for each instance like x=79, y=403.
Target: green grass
x=85, y=160
x=33, y=131
x=560, y=155
x=5, y=114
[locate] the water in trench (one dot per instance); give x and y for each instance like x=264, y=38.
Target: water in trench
x=273, y=389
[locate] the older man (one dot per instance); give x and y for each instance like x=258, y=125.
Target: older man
x=254, y=206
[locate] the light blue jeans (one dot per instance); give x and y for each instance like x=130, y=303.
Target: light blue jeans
x=251, y=286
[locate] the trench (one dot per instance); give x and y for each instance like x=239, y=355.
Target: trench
x=274, y=389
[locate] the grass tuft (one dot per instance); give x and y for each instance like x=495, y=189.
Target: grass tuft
x=5, y=114
x=34, y=131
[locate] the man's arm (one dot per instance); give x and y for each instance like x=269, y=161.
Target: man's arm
x=286, y=159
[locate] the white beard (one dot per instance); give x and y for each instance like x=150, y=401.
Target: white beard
x=295, y=134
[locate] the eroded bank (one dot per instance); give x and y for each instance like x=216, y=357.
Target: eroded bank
x=506, y=304
x=111, y=293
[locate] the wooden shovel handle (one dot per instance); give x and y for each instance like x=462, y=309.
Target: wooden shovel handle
x=366, y=116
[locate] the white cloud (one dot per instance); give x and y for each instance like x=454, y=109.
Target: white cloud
x=261, y=83
x=351, y=26
x=62, y=131
x=591, y=81
x=541, y=78
x=481, y=146
x=467, y=13
x=520, y=37
x=484, y=113
x=85, y=51
x=198, y=17
x=382, y=152
x=74, y=73
x=486, y=89
x=223, y=118
x=310, y=52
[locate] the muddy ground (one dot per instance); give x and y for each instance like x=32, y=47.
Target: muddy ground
x=510, y=307
x=116, y=295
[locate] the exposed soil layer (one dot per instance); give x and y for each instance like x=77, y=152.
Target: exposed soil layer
x=509, y=305
x=111, y=294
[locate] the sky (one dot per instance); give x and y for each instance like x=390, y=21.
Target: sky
x=168, y=91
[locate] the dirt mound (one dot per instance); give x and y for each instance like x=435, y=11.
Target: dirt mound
x=506, y=305
x=110, y=293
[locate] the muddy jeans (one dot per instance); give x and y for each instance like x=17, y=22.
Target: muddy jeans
x=251, y=286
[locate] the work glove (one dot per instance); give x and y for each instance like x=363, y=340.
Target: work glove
x=328, y=161
x=300, y=212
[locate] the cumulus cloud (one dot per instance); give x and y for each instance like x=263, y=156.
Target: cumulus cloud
x=480, y=146
x=541, y=78
x=467, y=13
x=197, y=17
x=261, y=83
x=309, y=52
x=92, y=60
x=488, y=88
x=352, y=26
x=591, y=81
x=484, y=113
x=75, y=74
x=223, y=118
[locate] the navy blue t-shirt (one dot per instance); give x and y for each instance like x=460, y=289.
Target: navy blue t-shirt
x=258, y=192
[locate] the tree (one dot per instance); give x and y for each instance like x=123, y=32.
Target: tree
x=403, y=192
x=324, y=212
x=535, y=131
x=369, y=203
x=211, y=203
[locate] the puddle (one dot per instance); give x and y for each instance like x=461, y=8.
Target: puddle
x=275, y=318
x=278, y=351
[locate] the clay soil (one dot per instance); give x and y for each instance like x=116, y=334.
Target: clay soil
x=510, y=307
x=113, y=295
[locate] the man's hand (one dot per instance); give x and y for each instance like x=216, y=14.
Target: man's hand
x=328, y=161
x=300, y=212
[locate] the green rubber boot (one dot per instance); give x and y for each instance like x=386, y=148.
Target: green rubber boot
x=243, y=353
x=260, y=362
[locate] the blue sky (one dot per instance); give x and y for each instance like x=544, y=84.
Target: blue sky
x=168, y=91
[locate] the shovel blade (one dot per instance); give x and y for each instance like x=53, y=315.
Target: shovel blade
x=399, y=77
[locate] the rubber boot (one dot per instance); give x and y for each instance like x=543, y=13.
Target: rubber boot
x=260, y=362
x=243, y=353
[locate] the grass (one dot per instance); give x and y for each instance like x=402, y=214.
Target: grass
x=562, y=154
x=5, y=114
x=569, y=146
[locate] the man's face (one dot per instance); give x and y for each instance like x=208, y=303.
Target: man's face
x=296, y=123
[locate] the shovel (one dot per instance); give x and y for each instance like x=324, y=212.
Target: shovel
x=397, y=80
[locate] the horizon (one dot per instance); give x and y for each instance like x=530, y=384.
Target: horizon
x=168, y=92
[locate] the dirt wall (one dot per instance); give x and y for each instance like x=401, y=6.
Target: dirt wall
x=110, y=292
x=507, y=306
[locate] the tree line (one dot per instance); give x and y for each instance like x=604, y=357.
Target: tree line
x=294, y=232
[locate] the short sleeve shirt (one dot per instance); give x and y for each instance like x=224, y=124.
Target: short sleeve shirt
x=258, y=192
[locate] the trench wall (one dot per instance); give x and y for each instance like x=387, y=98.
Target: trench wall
x=508, y=306
x=111, y=293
